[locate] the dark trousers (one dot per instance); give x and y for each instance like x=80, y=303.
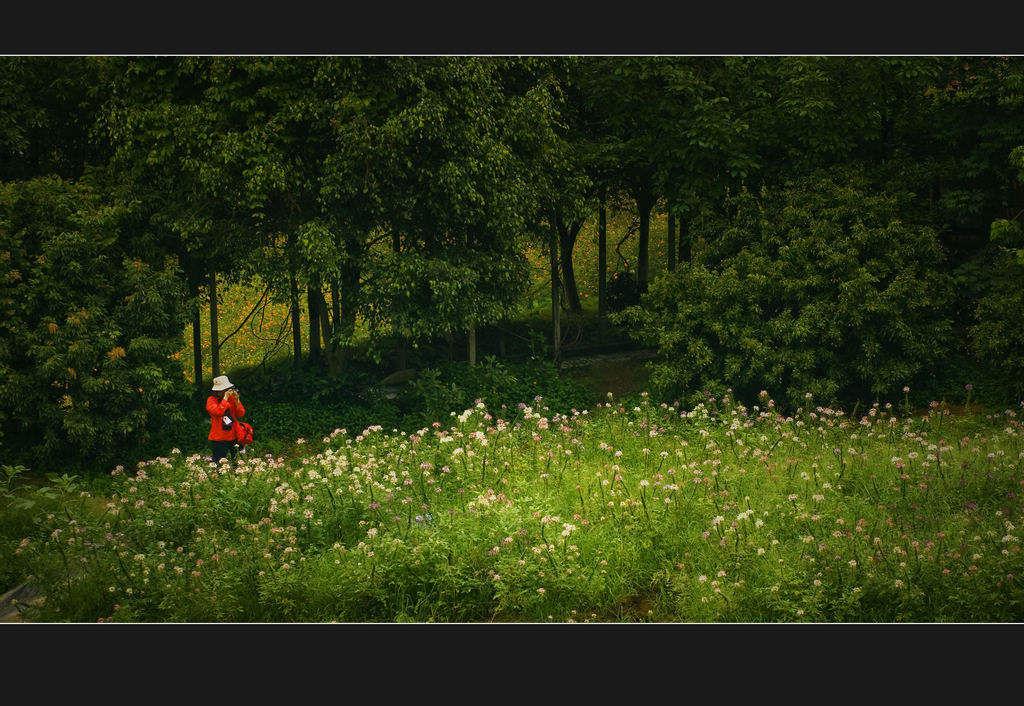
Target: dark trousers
x=220, y=450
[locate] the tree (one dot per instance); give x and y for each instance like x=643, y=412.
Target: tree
x=90, y=331
x=564, y=178
x=997, y=333
x=969, y=116
x=272, y=134
x=162, y=142
x=625, y=95
x=430, y=163
x=232, y=147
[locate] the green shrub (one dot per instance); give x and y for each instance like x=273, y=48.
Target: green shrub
x=289, y=421
x=997, y=336
x=89, y=331
x=20, y=506
x=819, y=288
x=437, y=392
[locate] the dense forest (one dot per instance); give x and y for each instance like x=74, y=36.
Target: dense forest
x=846, y=227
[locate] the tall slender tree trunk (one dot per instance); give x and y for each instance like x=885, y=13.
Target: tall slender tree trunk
x=313, y=299
x=293, y=296
x=195, y=281
x=555, y=288
x=345, y=301
x=401, y=358
x=296, y=321
x=471, y=339
x=335, y=308
x=602, y=263
x=685, y=254
x=197, y=351
x=643, y=257
x=334, y=357
x=326, y=328
x=567, y=236
x=214, y=334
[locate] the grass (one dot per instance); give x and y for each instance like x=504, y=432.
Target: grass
x=633, y=511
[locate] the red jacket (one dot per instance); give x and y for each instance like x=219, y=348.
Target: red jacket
x=217, y=408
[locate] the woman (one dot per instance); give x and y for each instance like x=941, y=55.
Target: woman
x=224, y=407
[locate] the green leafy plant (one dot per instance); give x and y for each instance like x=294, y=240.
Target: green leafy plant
x=997, y=334
x=89, y=330
x=23, y=503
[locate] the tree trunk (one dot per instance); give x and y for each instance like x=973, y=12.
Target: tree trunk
x=214, y=335
x=345, y=301
x=472, y=345
x=197, y=351
x=326, y=328
x=602, y=263
x=644, y=205
x=567, y=236
x=335, y=308
x=195, y=281
x=684, y=242
x=313, y=299
x=555, y=307
x=293, y=298
x=401, y=358
x=296, y=322
x=335, y=359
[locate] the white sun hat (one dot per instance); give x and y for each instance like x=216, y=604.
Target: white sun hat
x=221, y=382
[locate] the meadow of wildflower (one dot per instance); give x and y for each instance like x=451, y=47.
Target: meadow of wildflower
x=633, y=511
x=629, y=511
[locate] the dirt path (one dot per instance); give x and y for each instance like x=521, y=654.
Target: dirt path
x=618, y=373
